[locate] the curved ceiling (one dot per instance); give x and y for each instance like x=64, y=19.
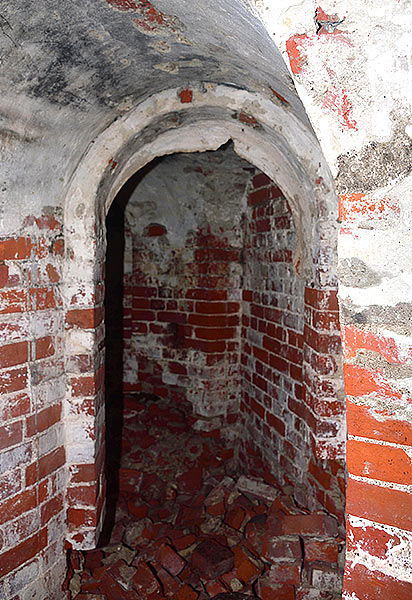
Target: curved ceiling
x=72, y=70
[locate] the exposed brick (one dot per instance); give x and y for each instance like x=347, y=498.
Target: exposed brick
x=261, y=180
x=43, y=298
x=311, y=524
x=362, y=422
x=281, y=548
x=44, y=347
x=85, y=318
x=379, y=504
x=11, y=434
x=10, y=484
x=360, y=582
x=88, y=385
x=4, y=275
x=82, y=495
x=186, y=96
x=81, y=517
x=285, y=572
x=13, y=301
x=324, y=550
x=13, y=354
x=322, y=476
x=378, y=462
x=155, y=230
x=43, y=419
x=51, y=462
x=321, y=299
x=51, y=508
x=15, y=249
x=20, y=554
x=21, y=503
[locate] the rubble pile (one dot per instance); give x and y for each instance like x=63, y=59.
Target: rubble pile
x=189, y=526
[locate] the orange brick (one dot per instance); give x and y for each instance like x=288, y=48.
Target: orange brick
x=361, y=583
x=378, y=462
x=379, y=504
x=372, y=540
x=362, y=422
x=15, y=249
x=360, y=381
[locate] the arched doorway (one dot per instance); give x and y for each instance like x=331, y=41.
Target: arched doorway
x=307, y=342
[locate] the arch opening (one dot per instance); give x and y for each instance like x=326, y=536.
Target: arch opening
x=216, y=319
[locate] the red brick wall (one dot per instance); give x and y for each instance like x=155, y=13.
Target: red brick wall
x=32, y=478
x=379, y=450
x=85, y=426
x=185, y=338
x=290, y=354
x=182, y=284
x=272, y=332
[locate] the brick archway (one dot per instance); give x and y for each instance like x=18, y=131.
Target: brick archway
x=275, y=142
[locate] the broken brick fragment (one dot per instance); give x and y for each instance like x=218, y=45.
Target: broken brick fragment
x=234, y=596
x=93, y=559
x=267, y=590
x=212, y=559
x=191, y=578
x=310, y=524
x=113, y=589
x=145, y=581
x=321, y=550
x=130, y=480
x=235, y=517
x=169, y=583
x=191, y=481
x=279, y=547
x=216, y=510
x=184, y=542
x=170, y=559
x=122, y=573
x=215, y=587
x=137, y=510
x=247, y=567
x=201, y=533
x=256, y=533
x=186, y=593
x=285, y=572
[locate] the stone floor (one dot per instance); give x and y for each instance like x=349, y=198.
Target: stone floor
x=189, y=525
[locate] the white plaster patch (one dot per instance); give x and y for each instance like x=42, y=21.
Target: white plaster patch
x=79, y=453
x=80, y=341
x=370, y=67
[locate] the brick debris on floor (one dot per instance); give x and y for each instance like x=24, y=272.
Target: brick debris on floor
x=190, y=526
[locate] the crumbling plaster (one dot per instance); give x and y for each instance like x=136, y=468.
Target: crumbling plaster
x=351, y=66
x=355, y=84
x=75, y=91
x=365, y=56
